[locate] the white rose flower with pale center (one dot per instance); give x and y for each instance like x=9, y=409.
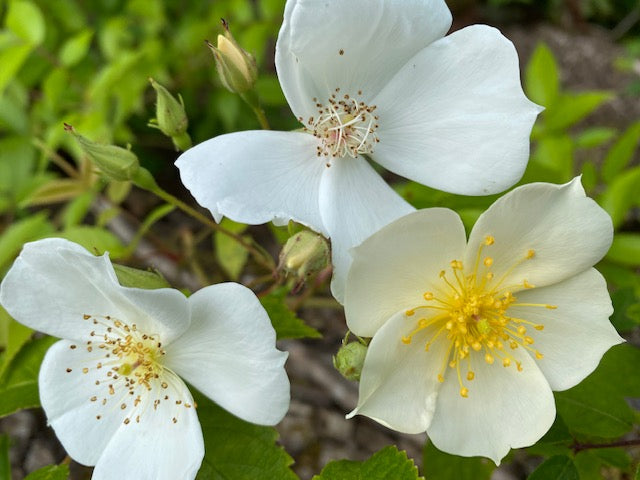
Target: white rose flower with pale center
x=470, y=338
x=112, y=389
x=371, y=80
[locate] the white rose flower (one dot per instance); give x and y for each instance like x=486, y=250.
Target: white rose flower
x=470, y=338
x=371, y=80
x=112, y=388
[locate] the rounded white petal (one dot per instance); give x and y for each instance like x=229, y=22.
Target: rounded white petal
x=54, y=283
x=505, y=409
x=256, y=177
x=398, y=384
x=576, y=334
x=354, y=202
x=455, y=116
x=567, y=232
x=393, y=268
x=229, y=354
x=355, y=45
x=156, y=448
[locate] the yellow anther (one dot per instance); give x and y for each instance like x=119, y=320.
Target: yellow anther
x=551, y=307
x=488, y=262
x=489, y=240
x=531, y=253
x=477, y=346
x=528, y=340
x=506, y=362
x=423, y=323
x=522, y=330
x=519, y=366
x=449, y=325
x=464, y=392
x=406, y=340
x=539, y=327
x=488, y=358
x=539, y=356
x=442, y=273
x=528, y=285
x=513, y=345
x=456, y=264
x=428, y=296
x=471, y=376
x=409, y=313
x=440, y=378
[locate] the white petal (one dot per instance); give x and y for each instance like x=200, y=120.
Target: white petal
x=54, y=283
x=576, y=334
x=393, y=268
x=256, y=177
x=398, y=384
x=156, y=448
x=355, y=202
x=229, y=354
x=455, y=117
x=568, y=232
x=376, y=37
x=505, y=409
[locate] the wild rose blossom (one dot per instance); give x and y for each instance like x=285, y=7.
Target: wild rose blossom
x=470, y=338
x=371, y=80
x=112, y=388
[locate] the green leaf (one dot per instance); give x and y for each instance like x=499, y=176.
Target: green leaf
x=284, y=321
x=13, y=336
x=51, y=472
x=442, y=466
x=541, y=77
x=625, y=249
x=31, y=228
x=25, y=19
x=11, y=59
x=621, y=195
x=621, y=153
x=569, y=109
x=19, y=384
x=589, y=176
x=388, y=463
x=132, y=277
x=238, y=450
x=594, y=137
x=555, y=152
x=637, y=475
x=76, y=48
x=231, y=256
x=95, y=239
x=555, y=442
x=5, y=464
x=626, y=309
x=556, y=468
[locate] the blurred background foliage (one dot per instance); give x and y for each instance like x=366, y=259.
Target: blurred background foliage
x=88, y=64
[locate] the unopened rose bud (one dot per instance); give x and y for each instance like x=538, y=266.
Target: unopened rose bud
x=171, y=117
x=115, y=162
x=350, y=359
x=305, y=253
x=237, y=67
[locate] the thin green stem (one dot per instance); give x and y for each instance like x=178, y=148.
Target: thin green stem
x=251, y=99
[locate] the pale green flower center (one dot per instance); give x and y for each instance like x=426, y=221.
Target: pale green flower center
x=471, y=311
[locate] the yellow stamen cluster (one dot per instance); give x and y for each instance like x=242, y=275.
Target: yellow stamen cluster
x=345, y=126
x=129, y=368
x=471, y=312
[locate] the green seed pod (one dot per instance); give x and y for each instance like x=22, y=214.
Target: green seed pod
x=350, y=359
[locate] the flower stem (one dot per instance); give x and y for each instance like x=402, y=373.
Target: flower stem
x=251, y=99
x=578, y=447
x=145, y=180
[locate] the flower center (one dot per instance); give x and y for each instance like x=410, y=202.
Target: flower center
x=344, y=125
x=470, y=311
x=126, y=369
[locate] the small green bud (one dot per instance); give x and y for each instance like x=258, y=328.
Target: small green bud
x=237, y=67
x=115, y=162
x=305, y=253
x=171, y=117
x=350, y=359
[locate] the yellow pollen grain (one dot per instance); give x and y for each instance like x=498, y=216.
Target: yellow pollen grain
x=489, y=240
x=406, y=340
x=506, y=362
x=440, y=378
x=531, y=253
x=428, y=296
x=488, y=358
x=539, y=355
x=488, y=262
x=471, y=376
x=464, y=392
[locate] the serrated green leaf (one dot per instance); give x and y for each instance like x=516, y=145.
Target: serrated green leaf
x=443, y=466
x=95, y=239
x=231, y=256
x=625, y=249
x=569, y=109
x=5, y=464
x=51, y=472
x=621, y=153
x=621, y=194
x=76, y=48
x=19, y=384
x=284, y=321
x=238, y=450
x=559, y=467
x=132, y=277
x=13, y=336
x=541, y=76
x=11, y=241
x=388, y=463
x=25, y=19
